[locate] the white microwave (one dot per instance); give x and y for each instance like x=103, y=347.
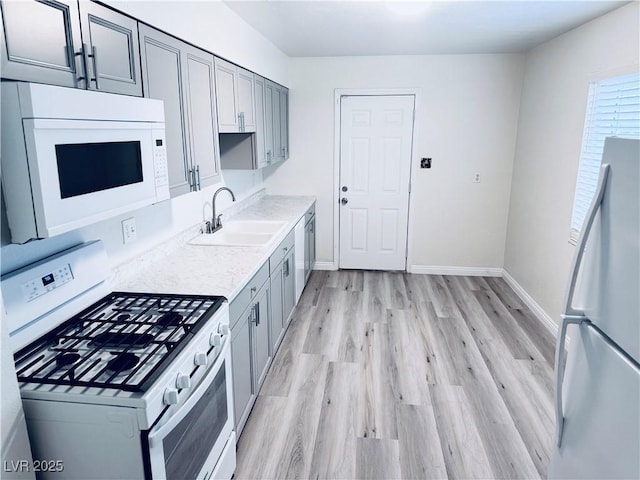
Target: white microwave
x=72, y=157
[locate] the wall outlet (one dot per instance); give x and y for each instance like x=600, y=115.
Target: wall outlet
x=129, y=230
x=476, y=178
x=425, y=163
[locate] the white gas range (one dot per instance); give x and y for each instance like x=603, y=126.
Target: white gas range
x=116, y=384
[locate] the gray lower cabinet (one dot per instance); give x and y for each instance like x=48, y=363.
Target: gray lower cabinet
x=283, y=289
x=183, y=77
x=309, y=242
x=250, y=344
x=243, y=394
x=61, y=43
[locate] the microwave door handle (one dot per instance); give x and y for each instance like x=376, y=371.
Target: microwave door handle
x=582, y=241
x=157, y=433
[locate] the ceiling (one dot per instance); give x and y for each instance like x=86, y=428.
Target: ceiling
x=306, y=28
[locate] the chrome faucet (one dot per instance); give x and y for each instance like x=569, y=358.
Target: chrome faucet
x=216, y=223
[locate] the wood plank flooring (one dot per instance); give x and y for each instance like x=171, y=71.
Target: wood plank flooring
x=391, y=375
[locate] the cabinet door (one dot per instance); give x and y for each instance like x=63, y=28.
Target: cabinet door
x=162, y=74
x=260, y=337
x=202, y=119
x=261, y=157
x=289, y=287
x=113, y=52
x=226, y=96
x=269, y=88
x=39, y=42
x=243, y=394
x=246, y=101
x=277, y=127
x=277, y=301
x=284, y=122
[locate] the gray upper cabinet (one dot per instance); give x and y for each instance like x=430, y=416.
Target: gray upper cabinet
x=57, y=43
x=262, y=159
x=42, y=42
x=183, y=77
x=235, y=98
x=283, y=97
x=277, y=103
x=269, y=88
x=201, y=108
x=112, y=50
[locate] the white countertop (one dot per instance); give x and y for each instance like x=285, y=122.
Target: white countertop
x=214, y=270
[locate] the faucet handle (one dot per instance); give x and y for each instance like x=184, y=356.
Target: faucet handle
x=207, y=227
x=218, y=221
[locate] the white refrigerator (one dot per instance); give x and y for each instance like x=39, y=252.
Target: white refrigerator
x=598, y=392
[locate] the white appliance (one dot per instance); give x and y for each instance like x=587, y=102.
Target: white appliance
x=299, y=256
x=598, y=395
x=74, y=157
x=116, y=384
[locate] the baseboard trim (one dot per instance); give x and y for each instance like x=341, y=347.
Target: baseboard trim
x=462, y=271
x=544, y=318
x=325, y=266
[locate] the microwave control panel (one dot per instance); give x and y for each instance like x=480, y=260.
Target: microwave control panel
x=160, y=168
x=39, y=286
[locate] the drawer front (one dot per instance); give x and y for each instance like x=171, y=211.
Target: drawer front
x=281, y=251
x=248, y=293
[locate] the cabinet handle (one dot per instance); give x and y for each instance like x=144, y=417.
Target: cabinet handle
x=286, y=267
x=241, y=121
x=192, y=179
x=83, y=64
x=197, y=175
x=269, y=157
x=255, y=314
x=253, y=291
x=94, y=57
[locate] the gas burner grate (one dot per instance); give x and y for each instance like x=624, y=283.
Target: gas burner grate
x=122, y=341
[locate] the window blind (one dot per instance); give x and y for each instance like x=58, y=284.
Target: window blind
x=613, y=109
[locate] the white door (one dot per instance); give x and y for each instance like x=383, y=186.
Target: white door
x=376, y=135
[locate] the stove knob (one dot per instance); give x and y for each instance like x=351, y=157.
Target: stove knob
x=170, y=396
x=223, y=329
x=200, y=359
x=183, y=381
x=215, y=339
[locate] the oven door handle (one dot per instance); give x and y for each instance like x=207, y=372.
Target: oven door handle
x=157, y=433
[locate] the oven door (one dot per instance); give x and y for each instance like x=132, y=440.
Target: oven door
x=84, y=171
x=190, y=443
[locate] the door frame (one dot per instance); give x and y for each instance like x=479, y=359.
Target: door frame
x=371, y=92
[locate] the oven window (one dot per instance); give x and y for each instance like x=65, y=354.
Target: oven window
x=92, y=167
x=189, y=444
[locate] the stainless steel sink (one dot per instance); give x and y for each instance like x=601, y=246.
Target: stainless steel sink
x=244, y=233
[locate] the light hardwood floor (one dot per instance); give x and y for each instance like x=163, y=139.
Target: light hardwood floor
x=391, y=375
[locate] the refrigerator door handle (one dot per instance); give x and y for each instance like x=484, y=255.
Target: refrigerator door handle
x=562, y=335
x=582, y=241
x=619, y=351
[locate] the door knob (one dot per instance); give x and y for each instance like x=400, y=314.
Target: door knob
x=344, y=188
x=344, y=201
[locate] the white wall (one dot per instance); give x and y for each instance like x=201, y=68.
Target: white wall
x=466, y=121
x=554, y=97
x=209, y=25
